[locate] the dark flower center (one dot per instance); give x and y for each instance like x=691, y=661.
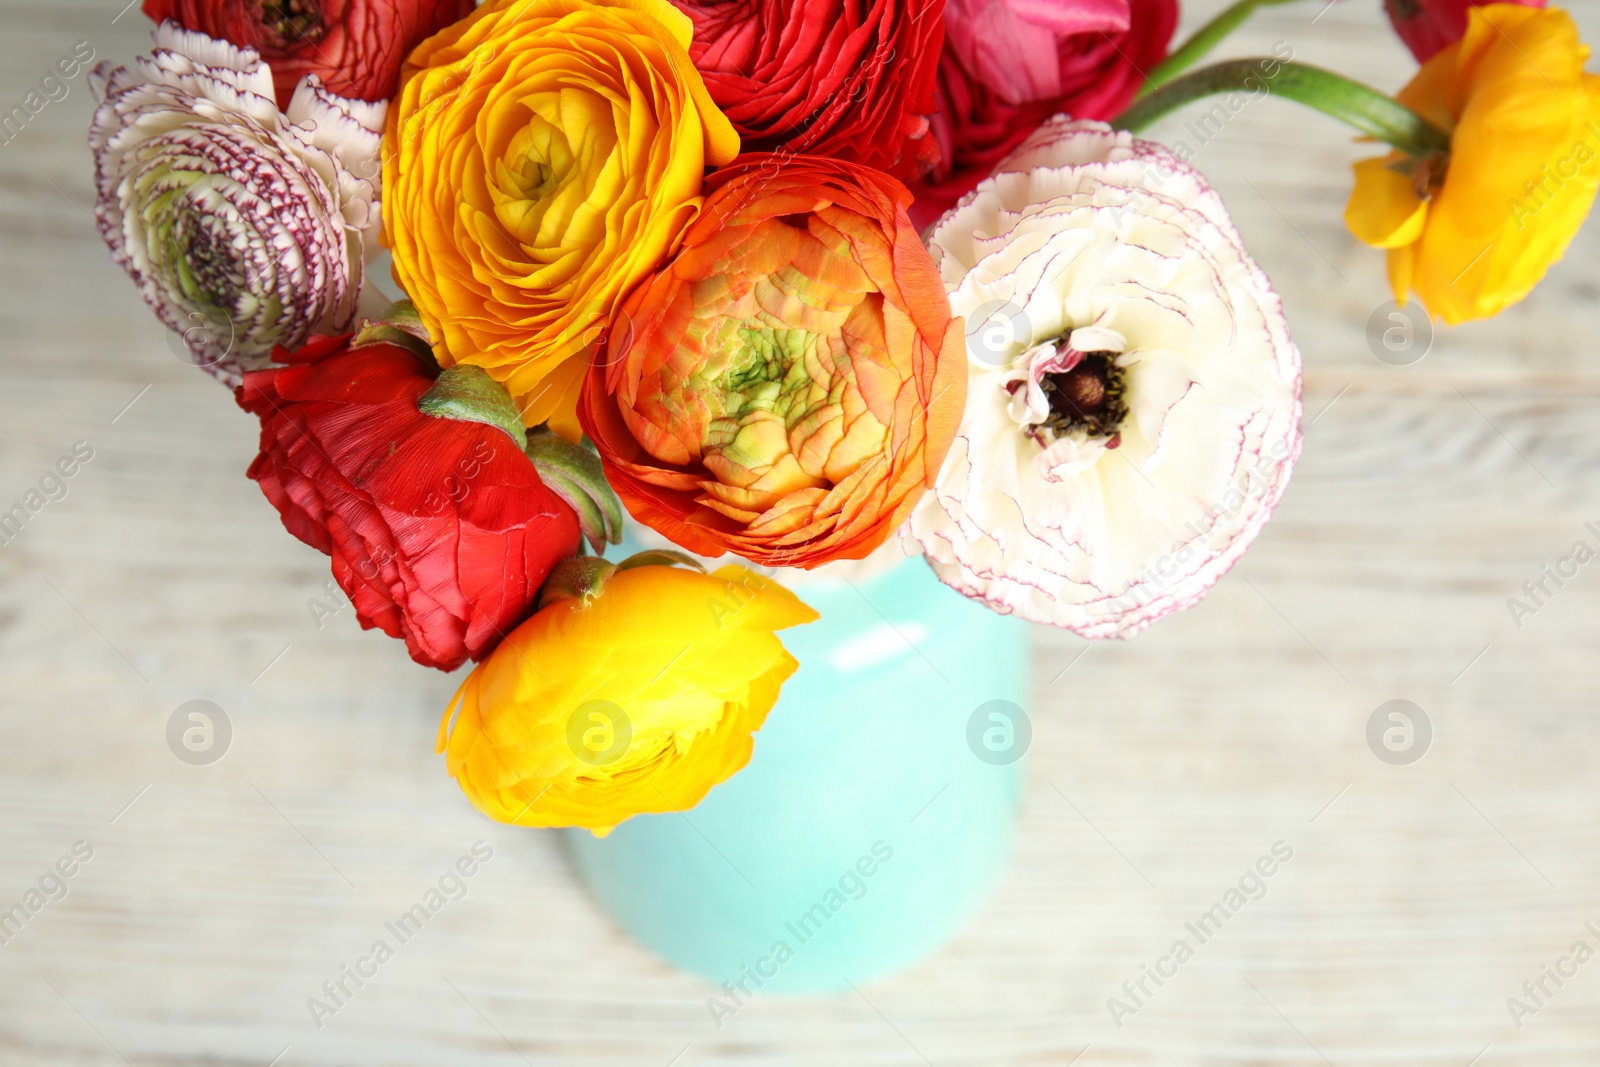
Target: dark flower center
x=292, y=21
x=210, y=268
x=1089, y=397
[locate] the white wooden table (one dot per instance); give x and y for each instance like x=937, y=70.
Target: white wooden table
x=1419, y=898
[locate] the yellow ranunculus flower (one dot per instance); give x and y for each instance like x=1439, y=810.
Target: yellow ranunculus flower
x=636, y=699
x=1473, y=234
x=542, y=157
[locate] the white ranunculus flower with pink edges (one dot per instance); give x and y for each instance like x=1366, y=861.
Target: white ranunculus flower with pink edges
x=1133, y=405
x=244, y=227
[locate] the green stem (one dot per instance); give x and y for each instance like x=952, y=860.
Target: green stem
x=1373, y=113
x=1203, y=41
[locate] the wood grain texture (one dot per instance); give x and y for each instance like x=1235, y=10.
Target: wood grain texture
x=1418, y=899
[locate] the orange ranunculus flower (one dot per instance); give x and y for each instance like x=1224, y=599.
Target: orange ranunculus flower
x=638, y=697
x=541, y=158
x=1473, y=233
x=787, y=386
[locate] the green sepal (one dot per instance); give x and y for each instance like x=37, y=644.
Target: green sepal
x=400, y=325
x=576, y=475
x=468, y=393
x=661, y=557
x=580, y=578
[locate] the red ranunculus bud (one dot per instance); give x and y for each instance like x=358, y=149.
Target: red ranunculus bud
x=354, y=46
x=440, y=528
x=1428, y=26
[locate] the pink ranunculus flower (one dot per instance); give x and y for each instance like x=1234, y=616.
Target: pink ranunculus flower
x=1133, y=397
x=1012, y=46
x=1428, y=26
x=244, y=227
x=1009, y=65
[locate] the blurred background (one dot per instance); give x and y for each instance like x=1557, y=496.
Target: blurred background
x=1424, y=889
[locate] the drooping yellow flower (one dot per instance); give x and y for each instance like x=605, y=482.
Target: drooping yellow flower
x=637, y=698
x=1474, y=232
x=543, y=156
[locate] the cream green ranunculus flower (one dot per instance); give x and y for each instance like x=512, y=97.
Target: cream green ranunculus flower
x=244, y=227
x=1133, y=395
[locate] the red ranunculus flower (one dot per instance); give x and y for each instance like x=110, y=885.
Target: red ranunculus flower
x=1010, y=64
x=440, y=529
x=852, y=79
x=1428, y=26
x=354, y=46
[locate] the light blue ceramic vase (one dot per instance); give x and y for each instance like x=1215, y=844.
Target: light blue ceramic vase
x=874, y=818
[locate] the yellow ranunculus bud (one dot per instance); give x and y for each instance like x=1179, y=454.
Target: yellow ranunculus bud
x=1474, y=233
x=542, y=156
x=638, y=697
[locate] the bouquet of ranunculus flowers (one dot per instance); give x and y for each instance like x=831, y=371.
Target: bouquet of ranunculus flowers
x=794, y=281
